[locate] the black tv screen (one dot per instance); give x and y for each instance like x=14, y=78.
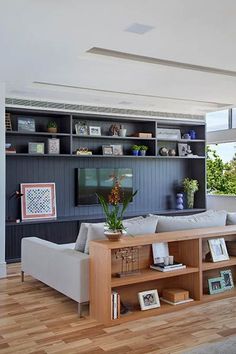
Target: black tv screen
x=101, y=180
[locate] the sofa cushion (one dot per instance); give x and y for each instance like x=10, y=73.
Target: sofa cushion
x=197, y=221
x=231, y=219
x=82, y=237
x=142, y=226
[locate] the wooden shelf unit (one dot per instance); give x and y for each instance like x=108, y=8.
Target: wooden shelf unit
x=188, y=247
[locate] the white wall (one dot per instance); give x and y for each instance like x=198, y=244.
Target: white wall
x=221, y=202
x=2, y=182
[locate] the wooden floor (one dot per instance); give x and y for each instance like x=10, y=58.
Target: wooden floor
x=37, y=319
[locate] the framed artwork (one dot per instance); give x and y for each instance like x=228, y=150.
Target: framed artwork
x=36, y=148
x=54, y=146
x=182, y=149
x=168, y=134
x=81, y=128
x=117, y=149
x=218, y=249
x=216, y=285
x=160, y=251
x=148, y=299
x=38, y=201
x=228, y=279
x=107, y=150
x=95, y=131
x=26, y=124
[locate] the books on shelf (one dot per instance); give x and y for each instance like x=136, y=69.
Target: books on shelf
x=177, y=302
x=115, y=305
x=167, y=268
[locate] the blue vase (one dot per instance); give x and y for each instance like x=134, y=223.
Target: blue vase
x=135, y=152
x=192, y=134
x=179, y=201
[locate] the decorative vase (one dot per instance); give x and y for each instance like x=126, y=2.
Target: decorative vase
x=113, y=235
x=142, y=152
x=122, y=132
x=52, y=130
x=179, y=201
x=190, y=199
x=135, y=152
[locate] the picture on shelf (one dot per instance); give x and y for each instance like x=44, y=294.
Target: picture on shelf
x=168, y=134
x=218, y=249
x=95, y=131
x=228, y=279
x=148, y=299
x=117, y=149
x=182, y=149
x=216, y=285
x=107, y=150
x=81, y=128
x=36, y=148
x=26, y=124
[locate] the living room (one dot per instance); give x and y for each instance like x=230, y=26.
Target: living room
x=117, y=160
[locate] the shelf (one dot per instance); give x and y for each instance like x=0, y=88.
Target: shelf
x=219, y=296
x=149, y=275
x=38, y=155
x=183, y=140
x=181, y=157
x=110, y=137
x=36, y=133
x=215, y=265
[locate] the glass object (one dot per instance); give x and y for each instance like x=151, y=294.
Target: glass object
x=190, y=199
x=217, y=120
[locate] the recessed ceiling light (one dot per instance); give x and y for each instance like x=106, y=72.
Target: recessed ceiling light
x=139, y=28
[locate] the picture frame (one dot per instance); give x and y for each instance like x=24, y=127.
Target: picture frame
x=107, y=150
x=53, y=146
x=160, y=251
x=94, y=131
x=36, y=148
x=81, y=129
x=117, y=149
x=26, y=124
x=38, y=201
x=216, y=285
x=218, y=249
x=148, y=299
x=228, y=279
x=168, y=134
x=182, y=149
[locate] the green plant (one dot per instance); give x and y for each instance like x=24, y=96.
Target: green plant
x=52, y=124
x=143, y=148
x=135, y=147
x=114, y=209
x=190, y=185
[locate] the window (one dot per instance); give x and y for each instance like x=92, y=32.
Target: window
x=217, y=120
x=234, y=118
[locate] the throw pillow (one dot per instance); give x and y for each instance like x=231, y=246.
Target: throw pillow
x=142, y=226
x=82, y=237
x=231, y=219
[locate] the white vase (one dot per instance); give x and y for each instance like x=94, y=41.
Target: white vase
x=122, y=132
x=113, y=235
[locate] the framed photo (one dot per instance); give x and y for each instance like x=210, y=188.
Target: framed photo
x=160, y=251
x=54, y=146
x=117, y=149
x=96, y=131
x=216, y=285
x=81, y=128
x=148, y=299
x=228, y=279
x=182, y=149
x=26, y=124
x=38, y=201
x=107, y=150
x=218, y=249
x=168, y=134
x=36, y=148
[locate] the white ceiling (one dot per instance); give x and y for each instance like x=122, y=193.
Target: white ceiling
x=47, y=41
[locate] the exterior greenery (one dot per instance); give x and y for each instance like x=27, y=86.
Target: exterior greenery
x=221, y=177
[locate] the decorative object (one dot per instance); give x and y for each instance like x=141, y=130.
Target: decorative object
x=9, y=149
x=15, y=195
x=81, y=128
x=8, y=125
x=36, y=148
x=192, y=134
x=38, y=201
x=216, y=285
x=107, y=150
x=129, y=261
x=160, y=251
x=117, y=149
x=54, y=146
x=171, y=152
x=135, y=150
x=179, y=201
x=148, y=299
x=114, y=130
x=83, y=151
x=26, y=124
x=95, y=131
x=144, y=135
x=189, y=151
x=122, y=131
x=168, y=134
x=175, y=294
x=114, y=210
x=218, y=249
x=52, y=127
x=143, y=150
x=228, y=279
x=190, y=188
x=186, y=137
x=182, y=149
x=163, y=151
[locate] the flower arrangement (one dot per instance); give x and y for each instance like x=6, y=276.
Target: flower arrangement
x=190, y=188
x=115, y=208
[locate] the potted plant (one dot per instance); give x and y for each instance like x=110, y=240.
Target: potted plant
x=114, y=210
x=190, y=188
x=143, y=149
x=135, y=149
x=52, y=127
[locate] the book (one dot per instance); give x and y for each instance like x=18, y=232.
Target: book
x=176, y=303
x=162, y=265
x=161, y=269
x=115, y=305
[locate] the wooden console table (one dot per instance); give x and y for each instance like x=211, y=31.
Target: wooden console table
x=188, y=247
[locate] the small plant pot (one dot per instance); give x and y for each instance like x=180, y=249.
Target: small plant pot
x=135, y=152
x=113, y=235
x=142, y=152
x=52, y=130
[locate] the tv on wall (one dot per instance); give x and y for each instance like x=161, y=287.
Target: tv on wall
x=90, y=181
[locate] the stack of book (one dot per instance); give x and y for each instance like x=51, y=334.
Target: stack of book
x=161, y=267
x=115, y=305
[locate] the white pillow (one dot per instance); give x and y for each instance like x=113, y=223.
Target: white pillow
x=142, y=226
x=82, y=237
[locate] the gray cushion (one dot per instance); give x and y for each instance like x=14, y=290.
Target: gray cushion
x=82, y=237
x=231, y=219
x=141, y=226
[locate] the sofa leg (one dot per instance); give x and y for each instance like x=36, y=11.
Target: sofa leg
x=80, y=306
x=22, y=276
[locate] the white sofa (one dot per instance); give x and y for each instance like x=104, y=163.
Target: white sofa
x=59, y=266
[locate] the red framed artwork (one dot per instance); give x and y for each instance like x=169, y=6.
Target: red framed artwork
x=38, y=201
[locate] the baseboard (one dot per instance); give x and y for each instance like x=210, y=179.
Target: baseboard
x=3, y=270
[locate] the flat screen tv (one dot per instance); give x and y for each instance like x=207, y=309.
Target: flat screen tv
x=90, y=181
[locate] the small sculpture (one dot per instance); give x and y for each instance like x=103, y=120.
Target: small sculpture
x=163, y=151
x=172, y=152
x=179, y=201
x=129, y=261
x=114, y=130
